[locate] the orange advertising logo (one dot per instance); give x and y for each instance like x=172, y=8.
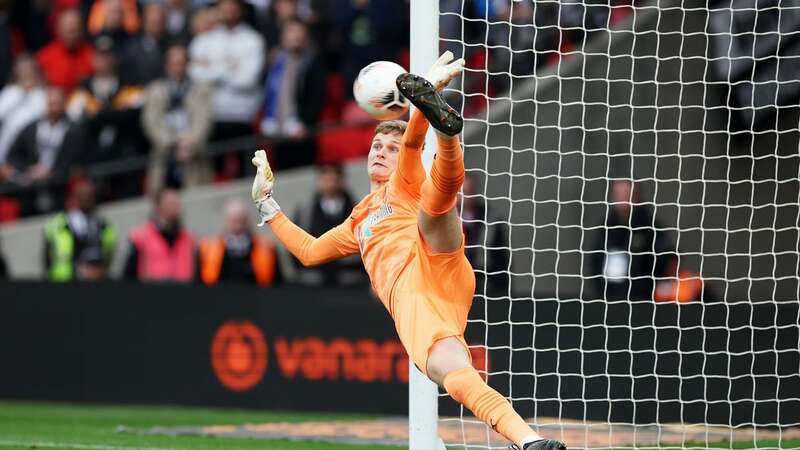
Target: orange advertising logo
x=239, y=355
x=363, y=360
x=340, y=359
x=239, y=358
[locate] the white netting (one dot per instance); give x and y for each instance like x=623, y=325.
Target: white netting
x=697, y=103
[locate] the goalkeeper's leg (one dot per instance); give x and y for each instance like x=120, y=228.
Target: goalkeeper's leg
x=449, y=366
x=438, y=219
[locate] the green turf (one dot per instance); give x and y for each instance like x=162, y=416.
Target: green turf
x=84, y=426
x=26, y=425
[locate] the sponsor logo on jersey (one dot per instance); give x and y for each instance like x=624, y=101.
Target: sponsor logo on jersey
x=365, y=229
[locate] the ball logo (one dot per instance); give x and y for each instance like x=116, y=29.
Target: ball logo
x=239, y=355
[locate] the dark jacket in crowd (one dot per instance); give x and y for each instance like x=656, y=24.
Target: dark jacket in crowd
x=310, y=93
x=111, y=122
x=626, y=259
x=142, y=60
x=27, y=150
x=309, y=86
x=342, y=272
x=303, y=106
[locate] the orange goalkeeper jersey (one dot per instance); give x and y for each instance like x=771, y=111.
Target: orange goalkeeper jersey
x=382, y=227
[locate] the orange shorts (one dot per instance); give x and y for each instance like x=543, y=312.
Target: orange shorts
x=431, y=300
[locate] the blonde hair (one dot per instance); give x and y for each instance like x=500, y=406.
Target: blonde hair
x=391, y=126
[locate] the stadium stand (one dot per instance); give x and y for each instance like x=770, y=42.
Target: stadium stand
x=318, y=123
x=138, y=116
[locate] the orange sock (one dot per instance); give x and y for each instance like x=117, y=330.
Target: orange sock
x=468, y=388
x=440, y=190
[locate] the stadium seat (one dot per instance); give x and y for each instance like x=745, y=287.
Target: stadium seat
x=9, y=209
x=334, y=98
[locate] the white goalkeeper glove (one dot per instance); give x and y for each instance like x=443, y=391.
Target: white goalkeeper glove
x=262, y=189
x=444, y=70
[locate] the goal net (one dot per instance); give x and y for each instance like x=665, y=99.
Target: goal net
x=632, y=216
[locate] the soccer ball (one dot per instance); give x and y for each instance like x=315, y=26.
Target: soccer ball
x=376, y=92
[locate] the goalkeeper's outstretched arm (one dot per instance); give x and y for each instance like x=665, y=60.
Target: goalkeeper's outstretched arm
x=336, y=243
x=311, y=251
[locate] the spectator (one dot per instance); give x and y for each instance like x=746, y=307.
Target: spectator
x=632, y=250
x=203, y=21
x=177, y=119
x=143, y=56
x=107, y=107
x=318, y=15
x=329, y=207
x=295, y=91
x=42, y=154
x=20, y=103
x=67, y=60
x=162, y=249
x=487, y=241
x=373, y=30
x=280, y=13
x=523, y=38
x=118, y=19
x=239, y=254
x=231, y=56
x=177, y=14
x=79, y=244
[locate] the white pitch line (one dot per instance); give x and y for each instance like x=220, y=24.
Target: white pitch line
x=29, y=444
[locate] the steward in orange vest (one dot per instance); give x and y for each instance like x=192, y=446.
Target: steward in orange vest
x=245, y=258
x=239, y=254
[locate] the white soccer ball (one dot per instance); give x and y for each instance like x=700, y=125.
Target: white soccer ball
x=376, y=92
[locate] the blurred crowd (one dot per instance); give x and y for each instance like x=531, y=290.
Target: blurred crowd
x=182, y=84
x=190, y=87
x=155, y=93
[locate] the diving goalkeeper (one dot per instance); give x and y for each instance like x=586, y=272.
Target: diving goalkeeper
x=410, y=238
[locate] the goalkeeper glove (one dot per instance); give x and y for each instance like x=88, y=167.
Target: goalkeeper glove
x=444, y=70
x=262, y=189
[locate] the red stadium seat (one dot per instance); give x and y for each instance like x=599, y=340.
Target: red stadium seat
x=344, y=143
x=9, y=209
x=334, y=98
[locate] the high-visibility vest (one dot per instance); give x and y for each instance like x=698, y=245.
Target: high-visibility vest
x=60, y=241
x=262, y=259
x=158, y=260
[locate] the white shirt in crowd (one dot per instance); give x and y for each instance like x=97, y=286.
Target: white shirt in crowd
x=233, y=60
x=18, y=108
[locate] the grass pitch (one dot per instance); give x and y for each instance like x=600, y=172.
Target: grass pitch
x=27, y=425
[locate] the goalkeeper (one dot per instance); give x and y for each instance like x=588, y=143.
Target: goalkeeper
x=410, y=238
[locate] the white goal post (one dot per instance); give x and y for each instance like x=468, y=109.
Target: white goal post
x=423, y=418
